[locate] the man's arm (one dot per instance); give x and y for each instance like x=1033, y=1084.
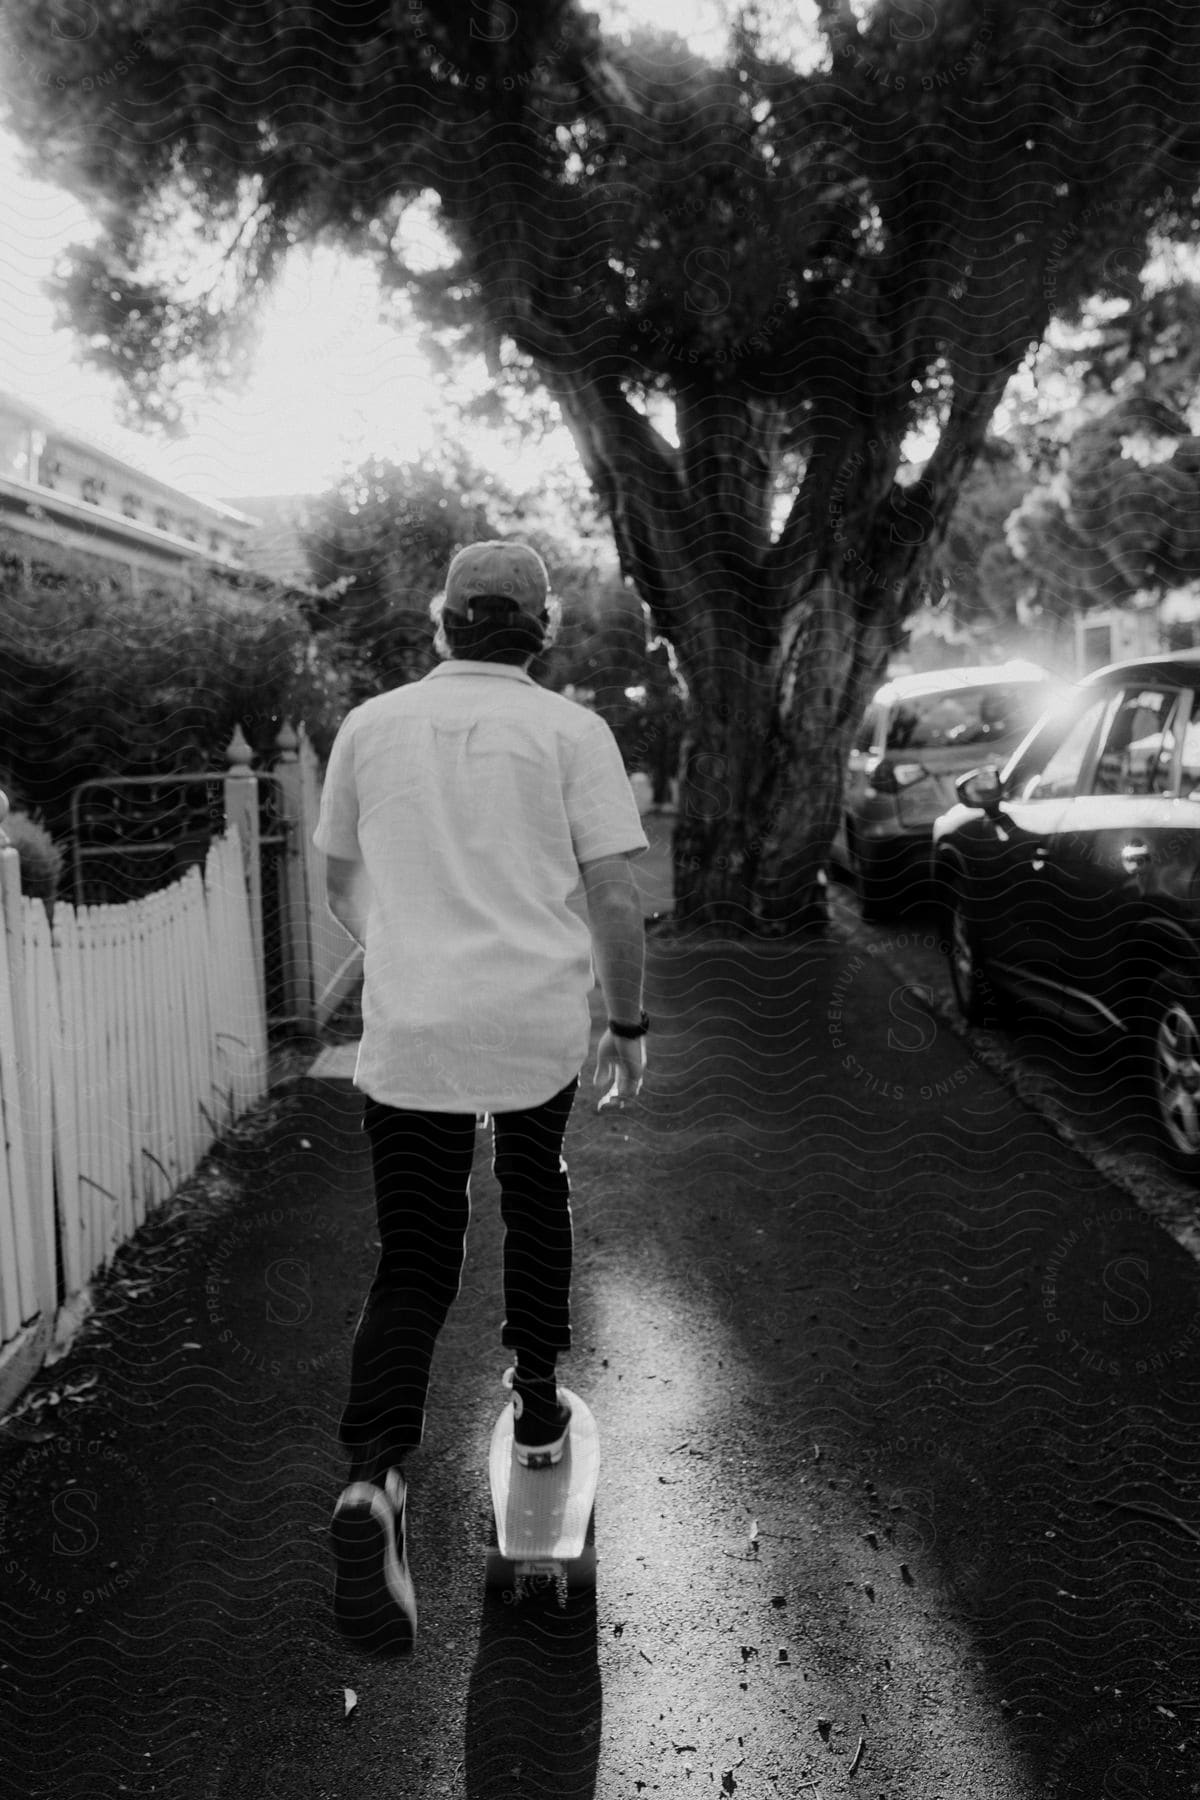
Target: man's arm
x=343, y=895
x=619, y=947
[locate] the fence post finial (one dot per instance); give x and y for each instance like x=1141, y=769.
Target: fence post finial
x=287, y=742
x=238, y=753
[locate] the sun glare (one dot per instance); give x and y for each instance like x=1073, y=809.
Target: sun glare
x=331, y=384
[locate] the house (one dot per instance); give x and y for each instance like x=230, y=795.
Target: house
x=1148, y=623
x=1108, y=634
x=61, y=488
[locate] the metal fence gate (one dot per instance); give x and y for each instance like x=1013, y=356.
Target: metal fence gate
x=132, y=835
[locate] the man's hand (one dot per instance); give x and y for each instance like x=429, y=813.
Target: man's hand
x=620, y=1066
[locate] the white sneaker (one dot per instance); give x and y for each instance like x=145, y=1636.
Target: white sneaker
x=374, y=1602
x=541, y=1420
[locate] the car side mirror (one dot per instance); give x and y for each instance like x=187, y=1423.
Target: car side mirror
x=981, y=788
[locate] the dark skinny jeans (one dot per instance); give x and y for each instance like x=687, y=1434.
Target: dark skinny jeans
x=422, y=1166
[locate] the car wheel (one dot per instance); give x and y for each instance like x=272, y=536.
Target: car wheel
x=1169, y=1058
x=974, y=989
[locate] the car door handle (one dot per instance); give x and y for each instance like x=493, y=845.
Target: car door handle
x=1135, y=855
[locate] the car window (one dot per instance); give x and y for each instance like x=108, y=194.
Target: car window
x=965, y=717
x=866, y=731
x=901, y=726
x=1058, y=776
x=1189, y=762
x=1137, y=746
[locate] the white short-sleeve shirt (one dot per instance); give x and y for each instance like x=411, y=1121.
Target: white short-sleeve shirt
x=471, y=797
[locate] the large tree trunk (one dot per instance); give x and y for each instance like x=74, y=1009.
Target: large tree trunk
x=779, y=635
x=764, y=763
x=761, y=787
x=780, y=639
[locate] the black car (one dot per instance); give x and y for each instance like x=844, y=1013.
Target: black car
x=1071, y=880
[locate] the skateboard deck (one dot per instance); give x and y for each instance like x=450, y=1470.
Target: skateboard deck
x=543, y=1516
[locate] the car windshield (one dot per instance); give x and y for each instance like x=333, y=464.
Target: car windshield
x=963, y=716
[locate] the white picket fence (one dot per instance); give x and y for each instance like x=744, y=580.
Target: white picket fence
x=130, y=1037
x=320, y=962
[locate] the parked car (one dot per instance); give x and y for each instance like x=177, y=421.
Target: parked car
x=1071, y=881
x=918, y=734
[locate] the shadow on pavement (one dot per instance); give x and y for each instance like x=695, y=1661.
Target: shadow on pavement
x=924, y=1387
x=534, y=1700
x=979, y=1368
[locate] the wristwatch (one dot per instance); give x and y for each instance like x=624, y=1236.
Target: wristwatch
x=630, y=1031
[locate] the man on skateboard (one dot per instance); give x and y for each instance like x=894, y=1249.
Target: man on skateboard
x=460, y=815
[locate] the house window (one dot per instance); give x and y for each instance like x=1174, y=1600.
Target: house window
x=131, y=506
x=92, y=489
x=15, y=449
x=1097, y=647
x=162, y=519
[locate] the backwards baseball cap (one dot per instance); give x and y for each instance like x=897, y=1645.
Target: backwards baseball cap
x=496, y=577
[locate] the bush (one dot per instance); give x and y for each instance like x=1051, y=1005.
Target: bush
x=98, y=682
x=41, y=858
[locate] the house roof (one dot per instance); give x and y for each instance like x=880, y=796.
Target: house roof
x=40, y=420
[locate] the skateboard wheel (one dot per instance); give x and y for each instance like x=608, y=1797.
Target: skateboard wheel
x=500, y=1572
x=503, y=1572
x=581, y=1571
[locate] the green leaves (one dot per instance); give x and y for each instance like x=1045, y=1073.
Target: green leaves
x=96, y=680
x=625, y=205
x=747, y=288
x=383, y=540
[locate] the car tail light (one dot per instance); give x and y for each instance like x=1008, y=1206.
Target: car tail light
x=889, y=777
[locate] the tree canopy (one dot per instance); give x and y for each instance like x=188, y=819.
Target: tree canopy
x=973, y=574
x=746, y=287
x=378, y=545
x=1114, y=509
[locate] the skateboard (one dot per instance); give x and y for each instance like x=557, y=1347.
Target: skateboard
x=544, y=1516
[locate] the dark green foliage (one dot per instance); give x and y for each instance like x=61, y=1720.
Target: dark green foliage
x=97, y=681
x=1061, y=516
x=1114, y=505
x=973, y=572
x=803, y=258
x=379, y=546
x=626, y=208
x=41, y=857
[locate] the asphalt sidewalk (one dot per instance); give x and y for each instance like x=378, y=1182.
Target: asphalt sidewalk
x=897, y=1407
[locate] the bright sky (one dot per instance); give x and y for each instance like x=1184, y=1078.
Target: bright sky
x=331, y=386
